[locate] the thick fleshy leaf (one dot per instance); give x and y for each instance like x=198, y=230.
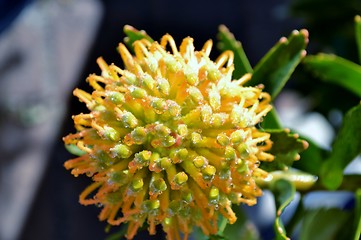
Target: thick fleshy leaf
x=301, y=180
x=358, y=35
x=276, y=67
x=228, y=42
x=284, y=192
x=286, y=148
x=345, y=148
x=323, y=224
x=336, y=70
x=133, y=35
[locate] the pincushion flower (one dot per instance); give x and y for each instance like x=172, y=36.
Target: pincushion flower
x=170, y=139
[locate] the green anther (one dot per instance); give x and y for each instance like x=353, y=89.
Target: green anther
x=213, y=72
x=163, y=85
x=120, y=150
x=222, y=139
x=159, y=185
x=143, y=157
x=213, y=193
x=237, y=137
x=208, y=172
x=158, y=104
x=161, y=130
x=115, y=97
x=180, y=178
x=182, y=153
x=195, y=94
x=129, y=120
x=137, y=92
x=230, y=153
x=99, y=108
x=196, y=138
x=150, y=205
x=111, y=134
x=139, y=135
x=218, y=119
x=182, y=130
x=168, y=221
x=165, y=163
x=206, y=113
x=137, y=184
x=148, y=81
x=191, y=77
x=243, y=150
x=104, y=158
x=242, y=167
x=172, y=64
x=152, y=63
x=174, y=207
x=187, y=196
x=214, y=98
x=173, y=108
x=168, y=141
x=120, y=178
x=225, y=174
x=199, y=161
x=130, y=78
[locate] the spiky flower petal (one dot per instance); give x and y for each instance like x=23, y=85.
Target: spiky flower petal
x=170, y=139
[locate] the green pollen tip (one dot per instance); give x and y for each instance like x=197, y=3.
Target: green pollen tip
x=129, y=120
x=180, y=178
x=137, y=184
x=208, y=172
x=111, y=133
x=159, y=185
x=165, y=163
x=137, y=92
x=237, y=137
x=143, y=157
x=230, y=153
x=199, y=161
x=159, y=105
x=163, y=86
x=121, y=150
x=139, y=135
x=222, y=139
x=115, y=97
x=213, y=193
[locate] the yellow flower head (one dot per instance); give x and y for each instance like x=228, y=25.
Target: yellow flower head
x=170, y=139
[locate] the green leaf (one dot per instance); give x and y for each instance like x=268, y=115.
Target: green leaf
x=286, y=148
x=345, y=148
x=301, y=180
x=271, y=120
x=276, y=67
x=133, y=35
x=336, y=70
x=357, y=223
x=358, y=35
x=284, y=192
x=228, y=42
x=243, y=228
x=73, y=149
x=323, y=224
x=118, y=234
x=311, y=159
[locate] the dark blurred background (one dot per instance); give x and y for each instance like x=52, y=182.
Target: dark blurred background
x=49, y=47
